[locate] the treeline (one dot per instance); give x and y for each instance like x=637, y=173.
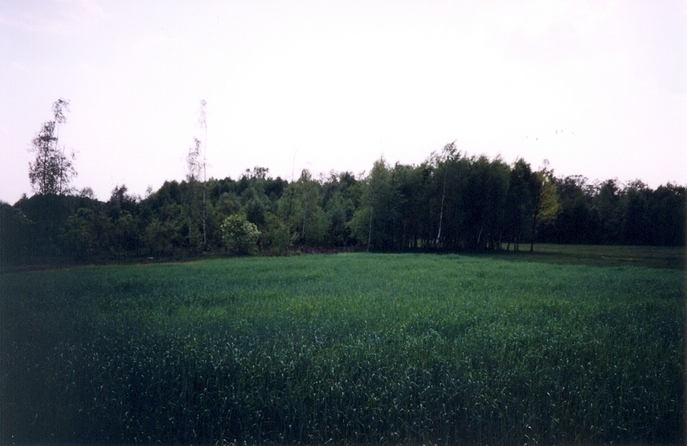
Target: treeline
x=451, y=202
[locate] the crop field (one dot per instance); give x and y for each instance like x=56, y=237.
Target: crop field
x=344, y=349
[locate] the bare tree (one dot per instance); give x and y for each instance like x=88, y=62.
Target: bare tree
x=52, y=170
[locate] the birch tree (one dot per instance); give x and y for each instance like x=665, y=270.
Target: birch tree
x=196, y=173
x=372, y=222
x=449, y=153
x=52, y=170
x=193, y=171
x=546, y=206
x=202, y=120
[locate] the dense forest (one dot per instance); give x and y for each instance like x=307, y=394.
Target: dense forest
x=451, y=202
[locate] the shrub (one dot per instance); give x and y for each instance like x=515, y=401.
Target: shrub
x=240, y=235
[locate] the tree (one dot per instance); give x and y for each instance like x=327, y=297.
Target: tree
x=415, y=185
x=48, y=212
x=448, y=153
x=202, y=120
x=546, y=205
x=17, y=236
x=636, y=229
x=373, y=221
x=300, y=206
x=159, y=236
x=338, y=212
x=314, y=223
x=338, y=196
x=667, y=215
x=52, y=170
x=520, y=203
x=85, y=234
x=484, y=200
x=573, y=222
x=126, y=227
x=277, y=238
x=195, y=173
x=607, y=203
x=194, y=167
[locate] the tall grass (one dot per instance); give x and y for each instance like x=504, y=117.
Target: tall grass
x=350, y=348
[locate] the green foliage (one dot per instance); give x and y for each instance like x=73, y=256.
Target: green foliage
x=484, y=200
x=416, y=187
x=301, y=208
x=345, y=349
x=256, y=212
x=52, y=170
x=159, y=237
x=276, y=239
x=17, y=233
x=125, y=233
x=373, y=222
x=83, y=232
x=240, y=235
x=449, y=203
x=48, y=214
x=338, y=211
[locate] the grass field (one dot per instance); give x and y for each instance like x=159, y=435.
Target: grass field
x=347, y=348
x=673, y=257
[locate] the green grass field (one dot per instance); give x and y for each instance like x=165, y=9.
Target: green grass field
x=345, y=349
x=673, y=257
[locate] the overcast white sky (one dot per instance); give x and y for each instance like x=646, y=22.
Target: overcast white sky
x=598, y=88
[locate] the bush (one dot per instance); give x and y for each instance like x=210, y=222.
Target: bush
x=240, y=235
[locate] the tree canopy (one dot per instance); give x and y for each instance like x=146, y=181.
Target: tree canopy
x=451, y=202
x=52, y=169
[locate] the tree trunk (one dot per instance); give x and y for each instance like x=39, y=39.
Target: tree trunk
x=441, y=214
x=534, y=233
x=205, y=234
x=190, y=239
x=369, y=230
x=305, y=213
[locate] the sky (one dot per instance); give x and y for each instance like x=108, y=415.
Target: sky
x=598, y=88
